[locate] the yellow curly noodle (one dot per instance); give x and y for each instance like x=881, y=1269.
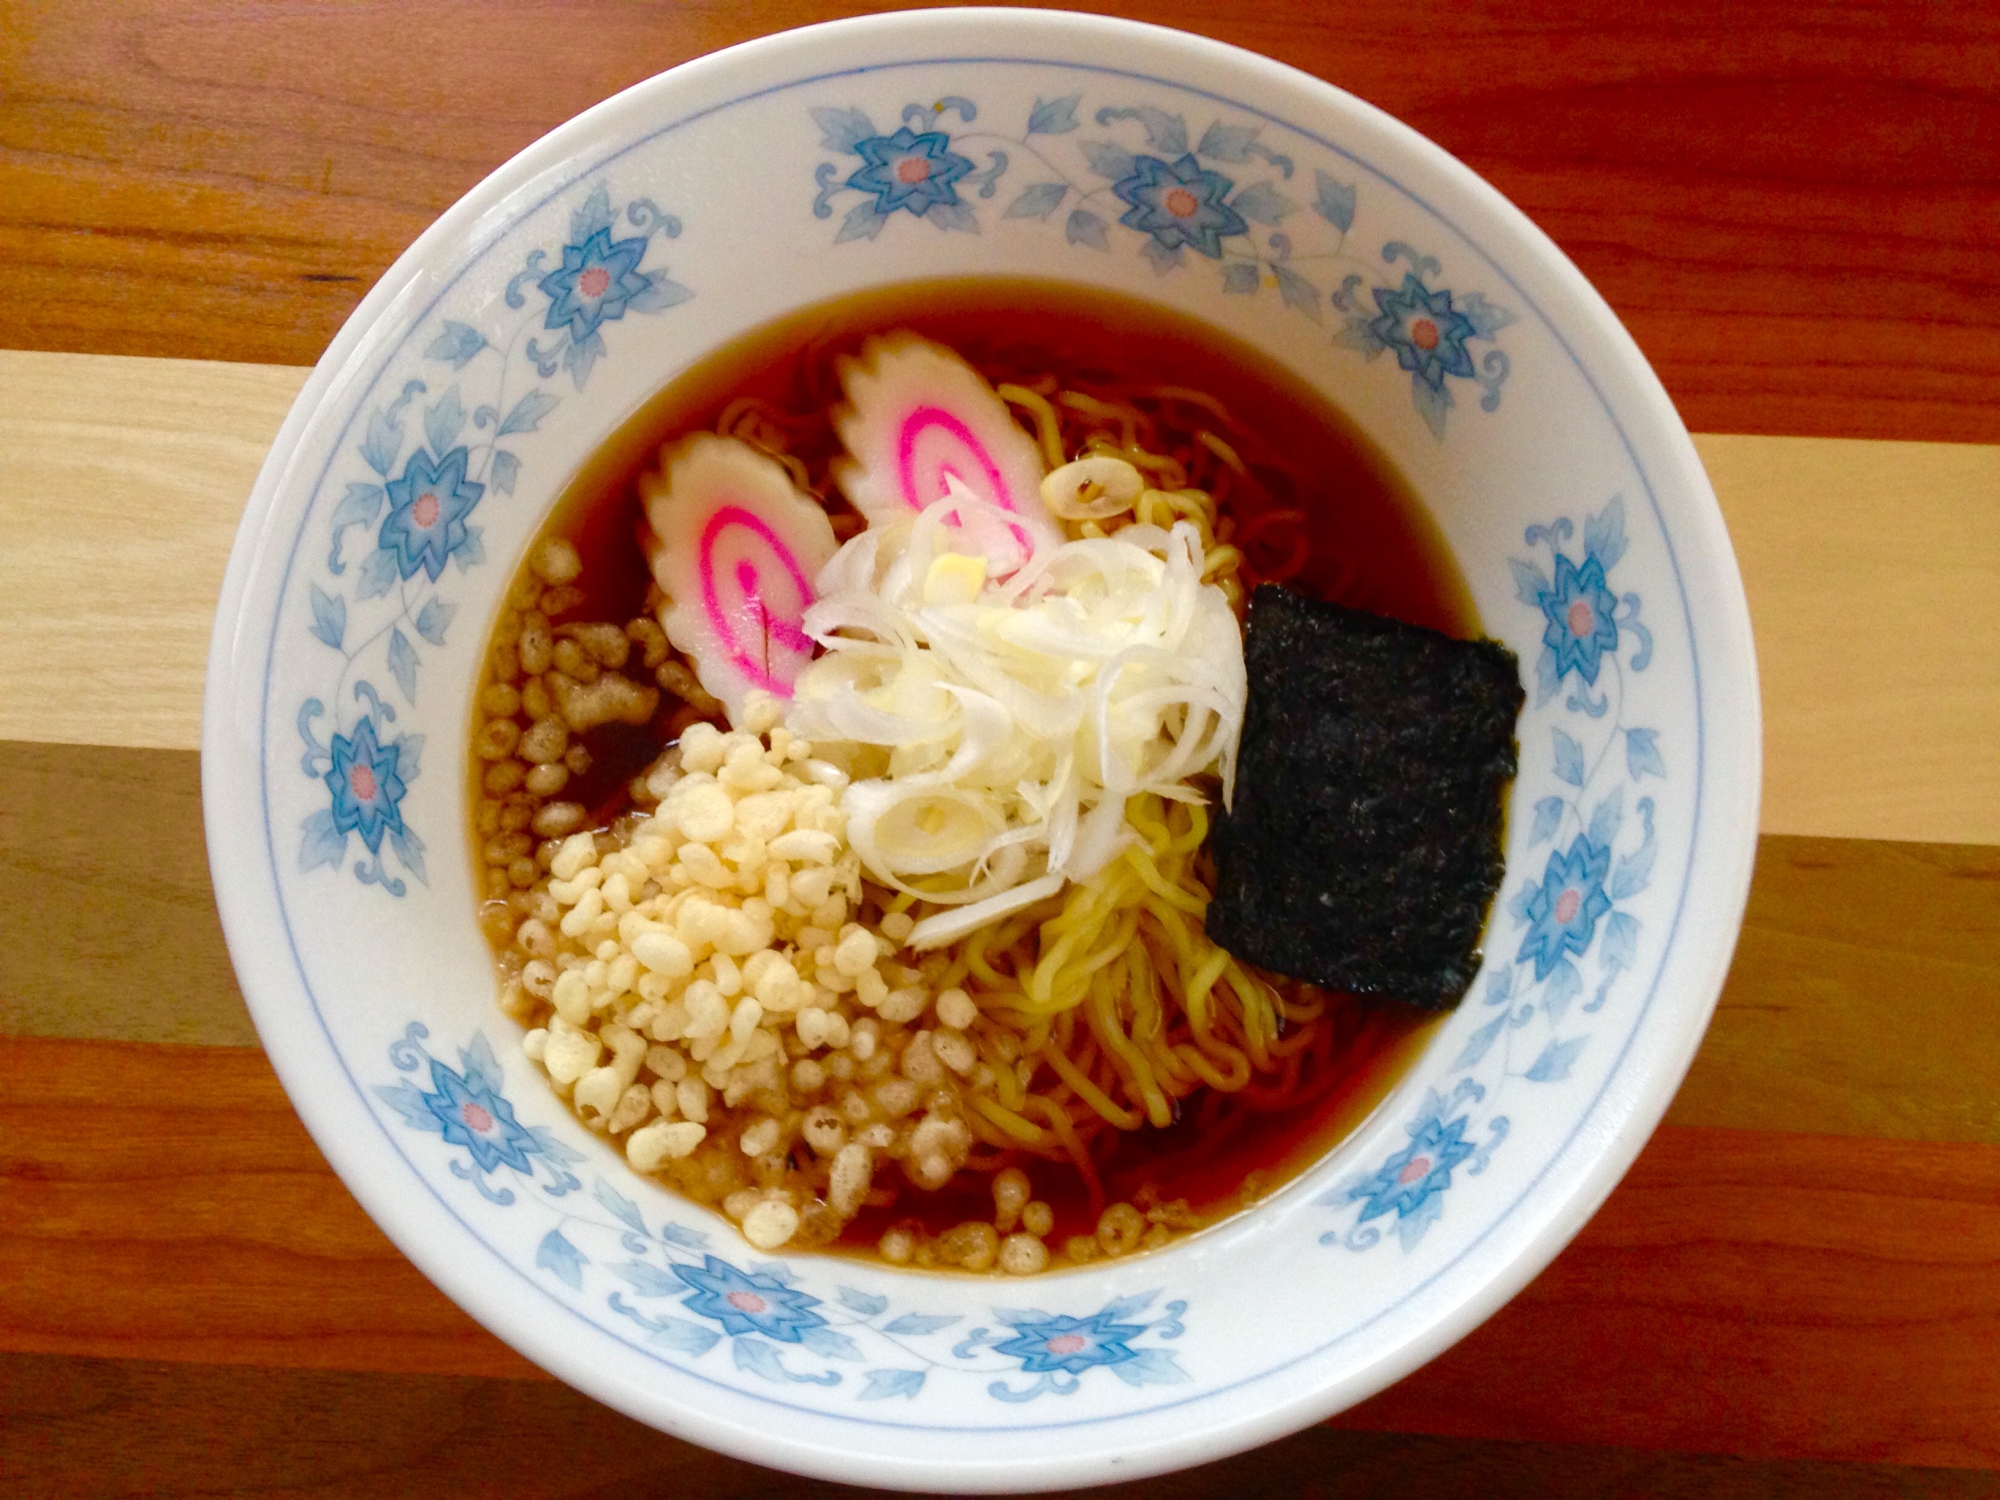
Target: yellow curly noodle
x=1188, y=447
x=1106, y=1007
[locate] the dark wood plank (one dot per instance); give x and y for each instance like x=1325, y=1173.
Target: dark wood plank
x=180, y=1177
x=1864, y=997
x=110, y=927
x=99, y=1428
x=1801, y=1041
x=1796, y=206
x=1761, y=1294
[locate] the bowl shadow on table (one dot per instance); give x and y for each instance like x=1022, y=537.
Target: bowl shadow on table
x=115, y=1427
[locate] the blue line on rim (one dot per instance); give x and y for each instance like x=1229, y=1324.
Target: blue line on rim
x=605, y=161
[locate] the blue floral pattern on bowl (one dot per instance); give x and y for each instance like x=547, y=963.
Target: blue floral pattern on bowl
x=428, y=505
x=426, y=498
x=1179, y=203
x=774, y=1329
x=1559, y=912
x=1176, y=197
x=362, y=779
x=1562, y=911
x=498, y=320
x=468, y=1107
x=908, y=171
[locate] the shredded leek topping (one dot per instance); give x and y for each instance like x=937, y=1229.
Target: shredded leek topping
x=997, y=727
x=1034, y=738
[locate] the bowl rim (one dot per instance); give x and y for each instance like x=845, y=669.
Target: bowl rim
x=245, y=908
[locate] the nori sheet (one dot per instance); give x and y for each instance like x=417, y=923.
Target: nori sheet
x=1363, y=850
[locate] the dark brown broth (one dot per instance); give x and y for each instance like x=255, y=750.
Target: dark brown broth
x=1376, y=548
x=1372, y=547
x=1220, y=1154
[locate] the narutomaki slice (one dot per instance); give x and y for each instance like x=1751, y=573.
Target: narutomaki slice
x=918, y=416
x=735, y=547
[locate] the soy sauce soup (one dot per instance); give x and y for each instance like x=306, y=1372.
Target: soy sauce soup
x=1365, y=541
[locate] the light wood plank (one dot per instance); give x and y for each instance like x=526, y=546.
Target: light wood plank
x=1797, y=1296
x=121, y=483
x=96, y=1427
x=1873, y=571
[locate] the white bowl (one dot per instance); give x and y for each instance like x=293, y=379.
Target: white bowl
x=1525, y=417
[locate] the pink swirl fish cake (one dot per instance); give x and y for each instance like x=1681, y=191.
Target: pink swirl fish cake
x=735, y=547
x=918, y=416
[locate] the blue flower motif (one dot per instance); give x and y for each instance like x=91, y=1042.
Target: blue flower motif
x=749, y=1304
x=1563, y=911
x=907, y=170
x=598, y=278
x=1413, y=1175
x=1179, y=203
x=1427, y=335
x=427, y=510
x=1582, y=616
x=474, y=1115
x=1071, y=1345
x=366, y=789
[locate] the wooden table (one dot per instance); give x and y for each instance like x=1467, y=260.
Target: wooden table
x=1796, y=208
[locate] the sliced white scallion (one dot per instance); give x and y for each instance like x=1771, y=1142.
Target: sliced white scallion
x=995, y=733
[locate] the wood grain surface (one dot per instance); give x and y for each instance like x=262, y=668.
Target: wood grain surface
x=90, y=950
x=1757, y=1293
x=1864, y=997
x=121, y=482
x=1795, y=207
x=1803, y=1038
x=92, y=1427
x=1873, y=573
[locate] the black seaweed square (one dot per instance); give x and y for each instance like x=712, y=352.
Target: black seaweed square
x=1364, y=848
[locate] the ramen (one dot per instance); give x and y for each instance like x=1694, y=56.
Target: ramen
x=846, y=758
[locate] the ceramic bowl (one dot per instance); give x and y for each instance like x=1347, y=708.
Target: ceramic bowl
x=541, y=309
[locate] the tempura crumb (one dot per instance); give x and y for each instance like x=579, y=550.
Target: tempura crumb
x=677, y=1004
